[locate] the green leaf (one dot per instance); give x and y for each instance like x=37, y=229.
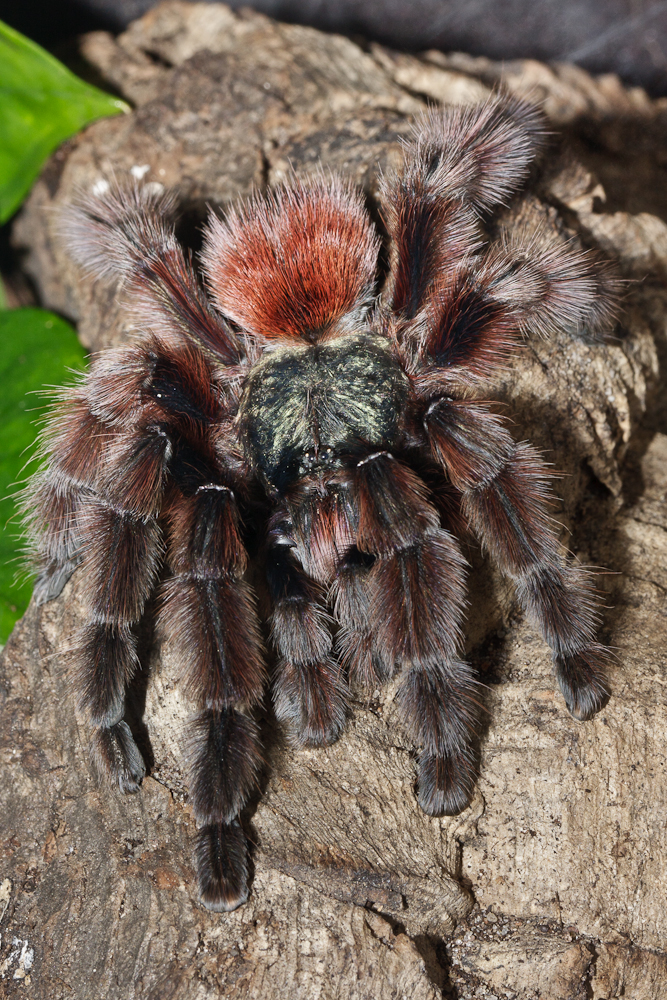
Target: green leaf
x=36, y=349
x=41, y=105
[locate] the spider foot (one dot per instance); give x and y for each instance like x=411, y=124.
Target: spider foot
x=118, y=758
x=367, y=666
x=446, y=784
x=222, y=866
x=311, y=701
x=581, y=677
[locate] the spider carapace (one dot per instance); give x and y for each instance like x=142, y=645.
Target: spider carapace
x=354, y=407
x=311, y=407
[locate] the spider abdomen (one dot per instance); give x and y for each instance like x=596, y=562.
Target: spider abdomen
x=312, y=405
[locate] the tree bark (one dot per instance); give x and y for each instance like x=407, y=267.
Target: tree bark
x=552, y=883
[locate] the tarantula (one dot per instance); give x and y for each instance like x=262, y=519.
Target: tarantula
x=285, y=401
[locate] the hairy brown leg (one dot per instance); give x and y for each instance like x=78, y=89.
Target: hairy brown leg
x=122, y=547
x=504, y=491
x=461, y=163
x=210, y=620
x=416, y=597
x=356, y=641
x=310, y=693
x=128, y=234
x=96, y=503
x=74, y=444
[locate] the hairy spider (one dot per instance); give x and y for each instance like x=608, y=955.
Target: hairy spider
x=286, y=380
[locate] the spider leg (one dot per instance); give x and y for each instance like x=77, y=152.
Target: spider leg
x=142, y=411
x=209, y=618
x=309, y=689
x=97, y=502
x=504, y=489
x=546, y=283
x=356, y=642
x=461, y=163
x=73, y=445
x=416, y=604
x=123, y=387
x=531, y=283
x=127, y=233
x=122, y=543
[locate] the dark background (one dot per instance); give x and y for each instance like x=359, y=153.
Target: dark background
x=628, y=37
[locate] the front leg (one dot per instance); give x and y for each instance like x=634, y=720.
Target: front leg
x=416, y=589
x=209, y=618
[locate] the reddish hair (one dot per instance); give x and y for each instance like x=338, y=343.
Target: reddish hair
x=296, y=263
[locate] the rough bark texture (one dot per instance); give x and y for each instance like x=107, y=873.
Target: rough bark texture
x=552, y=884
x=628, y=37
